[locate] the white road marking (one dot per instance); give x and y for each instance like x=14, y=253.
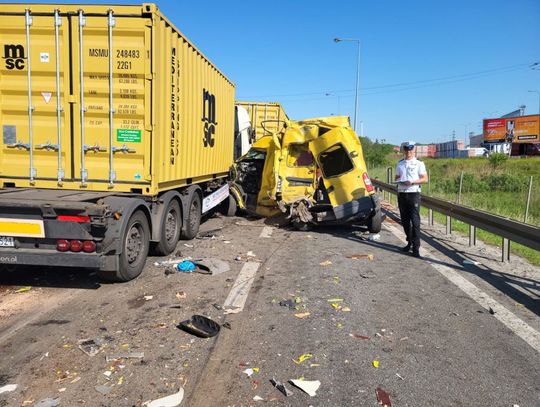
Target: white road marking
x=266, y=232
x=512, y=322
x=239, y=292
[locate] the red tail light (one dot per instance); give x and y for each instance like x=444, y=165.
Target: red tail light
x=62, y=245
x=367, y=182
x=88, y=246
x=73, y=218
x=75, y=245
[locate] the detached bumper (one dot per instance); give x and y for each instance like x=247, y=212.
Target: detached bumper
x=39, y=257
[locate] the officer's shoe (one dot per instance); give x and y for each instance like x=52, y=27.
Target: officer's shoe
x=405, y=249
x=416, y=253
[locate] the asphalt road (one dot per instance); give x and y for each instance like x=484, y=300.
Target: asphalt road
x=421, y=330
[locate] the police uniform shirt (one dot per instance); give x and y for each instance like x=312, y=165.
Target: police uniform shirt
x=409, y=170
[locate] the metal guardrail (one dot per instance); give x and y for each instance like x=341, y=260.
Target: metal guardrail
x=508, y=229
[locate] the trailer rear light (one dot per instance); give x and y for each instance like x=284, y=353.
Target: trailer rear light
x=367, y=182
x=74, y=218
x=88, y=246
x=62, y=245
x=75, y=245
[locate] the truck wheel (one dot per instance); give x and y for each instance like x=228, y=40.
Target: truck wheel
x=193, y=217
x=171, y=226
x=228, y=207
x=135, y=243
x=374, y=223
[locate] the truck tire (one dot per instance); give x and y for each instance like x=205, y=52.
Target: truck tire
x=193, y=216
x=135, y=244
x=171, y=227
x=374, y=223
x=229, y=206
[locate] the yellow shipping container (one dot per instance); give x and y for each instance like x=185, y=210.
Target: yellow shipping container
x=108, y=98
x=267, y=114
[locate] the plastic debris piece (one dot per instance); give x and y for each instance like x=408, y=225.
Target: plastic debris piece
x=302, y=315
x=383, y=398
x=130, y=355
x=120, y=380
x=258, y=398
x=170, y=401
x=148, y=297
x=48, y=402
x=186, y=266
x=7, y=388
x=226, y=325
x=287, y=303
x=345, y=309
x=281, y=387
x=249, y=372
x=200, y=326
x=325, y=263
x=314, y=365
x=107, y=373
x=373, y=237
x=367, y=338
x=63, y=389
x=181, y=295
x=362, y=256
x=23, y=289
x=375, y=364
x=302, y=358
x=401, y=377
x=307, y=386
x=103, y=389
x=471, y=262
x=188, y=245
x=335, y=300
x=335, y=305
x=90, y=346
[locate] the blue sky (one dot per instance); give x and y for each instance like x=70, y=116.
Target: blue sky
x=284, y=51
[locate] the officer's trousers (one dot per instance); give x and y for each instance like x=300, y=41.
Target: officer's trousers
x=409, y=209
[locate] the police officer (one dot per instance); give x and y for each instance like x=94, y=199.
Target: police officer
x=410, y=173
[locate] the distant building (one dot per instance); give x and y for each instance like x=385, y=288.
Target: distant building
x=476, y=141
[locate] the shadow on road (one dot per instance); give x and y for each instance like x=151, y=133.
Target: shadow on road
x=44, y=276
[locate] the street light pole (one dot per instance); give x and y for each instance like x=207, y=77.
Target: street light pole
x=536, y=91
x=357, y=73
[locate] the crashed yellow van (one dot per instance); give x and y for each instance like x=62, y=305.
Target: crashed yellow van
x=311, y=170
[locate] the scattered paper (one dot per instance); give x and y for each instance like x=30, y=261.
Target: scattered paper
x=302, y=358
x=325, y=263
x=170, y=401
x=373, y=237
x=7, y=388
x=307, y=386
x=258, y=398
x=148, y=297
x=302, y=315
x=281, y=387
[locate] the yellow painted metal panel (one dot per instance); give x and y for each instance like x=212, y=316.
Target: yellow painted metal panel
x=173, y=111
x=21, y=227
x=268, y=114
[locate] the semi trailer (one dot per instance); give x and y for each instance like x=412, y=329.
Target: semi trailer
x=117, y=136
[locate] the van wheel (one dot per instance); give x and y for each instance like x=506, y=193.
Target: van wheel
x=194, y=217
x=135, y=244
x=171, y=226
x=228, y=207
x=374, y=223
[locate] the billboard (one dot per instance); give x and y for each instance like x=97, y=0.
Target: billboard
x=522, y=129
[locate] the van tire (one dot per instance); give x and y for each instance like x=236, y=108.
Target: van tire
x=374, y=223
x=135, y=242
x=193, y=216
x=171, y=228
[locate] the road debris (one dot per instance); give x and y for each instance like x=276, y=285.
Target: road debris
x=90, y=346
x=130, y=355
x=185, y=266
x=401, y=377
x=375, y=364
x=181, y=295
x=302, y=315
x=325, y=263
x=23, y=290
x=307, y=386
x=200, y=326
x=383, y=398
x=148, y=297
x=281, y=387
x=226, y=325
x=250, y=371
x=373, y=237
x=491, y=311
x=303, y=357
x=367, y=338
x=48, y=402
x=258, y=398
x=250, y=254
x=361, y=256
x=8, y=388
x=471, y=262
x=169, y=401
x=103, y=389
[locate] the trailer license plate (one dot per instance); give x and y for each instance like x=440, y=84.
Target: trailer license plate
x=7, y=241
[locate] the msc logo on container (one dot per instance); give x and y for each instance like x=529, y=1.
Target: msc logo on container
x=14, y=56
x=209, y=118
